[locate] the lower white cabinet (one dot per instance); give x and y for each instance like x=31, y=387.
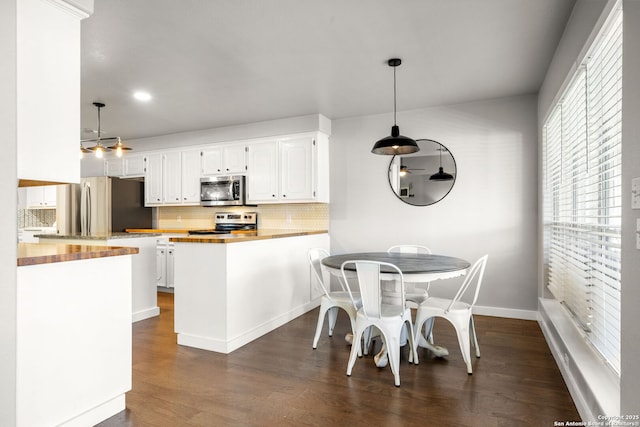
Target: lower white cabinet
x=164, y=263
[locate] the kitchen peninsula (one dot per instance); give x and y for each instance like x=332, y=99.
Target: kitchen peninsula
x=73, y=333
x=144, y=299
x=233, y=288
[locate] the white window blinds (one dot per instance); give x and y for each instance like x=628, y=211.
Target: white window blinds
x=582, y=180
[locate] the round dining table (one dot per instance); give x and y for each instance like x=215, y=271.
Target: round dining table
x=416, y=268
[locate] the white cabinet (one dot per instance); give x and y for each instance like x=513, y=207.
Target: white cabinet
x=153, y=179
x=133, y=166
x=48, y=90
x=164, y=263
x=262, y=168
x=223, y=160
x=114, y=167
x=289, y=170
x=130, y=166
x=190, y=176
x=41, y=197
x=172, y=178
x=297, y=169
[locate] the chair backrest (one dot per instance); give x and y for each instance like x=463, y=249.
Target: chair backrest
x=315, y=256
x=474, y=275
x=409, y=249
x=368, y=273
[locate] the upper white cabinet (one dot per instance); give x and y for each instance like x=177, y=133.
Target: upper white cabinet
x=190, y=177
x=288, y=170
x=114, y=167
x=48, y=90
x=153, y=179
x=39, y=197
x=172, y=178
x=262, y=168
x=224, y=160
x=129, y=166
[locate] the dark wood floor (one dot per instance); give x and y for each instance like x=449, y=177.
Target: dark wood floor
x=279, y=380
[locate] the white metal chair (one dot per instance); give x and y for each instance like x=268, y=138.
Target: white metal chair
x=457, y=312
x=389, y=317
x=332, y=301
x=416, y=293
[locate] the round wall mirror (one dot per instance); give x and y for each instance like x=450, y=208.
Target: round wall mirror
x=425, y=177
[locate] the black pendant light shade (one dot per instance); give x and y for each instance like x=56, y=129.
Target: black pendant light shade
x=396, y=143
x=441, y=175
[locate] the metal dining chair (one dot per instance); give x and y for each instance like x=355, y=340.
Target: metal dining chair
x=416, y=293
x=388, y=316
x=457, y=312
x=332, y=300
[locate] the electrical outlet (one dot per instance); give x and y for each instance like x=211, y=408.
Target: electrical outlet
x=179, y=218
x=635, y=193
x=565, y=358
x=638, y=233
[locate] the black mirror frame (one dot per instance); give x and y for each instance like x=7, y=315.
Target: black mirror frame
x=455, y=176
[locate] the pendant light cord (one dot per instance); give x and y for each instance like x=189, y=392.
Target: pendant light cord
x=98, y=123
x=394, y=96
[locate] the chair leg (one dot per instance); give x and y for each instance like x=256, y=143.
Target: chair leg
x=333, y=315
x=323, y=311
x=413, y=344
x=472, y=330
x=462, y=331
x=393, y=353
x=355, y=350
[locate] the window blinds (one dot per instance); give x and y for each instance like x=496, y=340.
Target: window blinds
x=582, y=188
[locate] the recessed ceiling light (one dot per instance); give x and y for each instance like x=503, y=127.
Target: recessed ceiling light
x=142, y=96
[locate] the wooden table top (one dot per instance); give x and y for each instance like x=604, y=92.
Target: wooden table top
x=407, y=263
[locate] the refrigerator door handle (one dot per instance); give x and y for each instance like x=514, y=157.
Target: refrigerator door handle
x=88, y=210
x=85, y=209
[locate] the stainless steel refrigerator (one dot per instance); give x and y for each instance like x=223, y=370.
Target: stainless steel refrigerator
x=101, y=205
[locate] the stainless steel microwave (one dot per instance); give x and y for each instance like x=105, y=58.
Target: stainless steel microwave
x=222, y=190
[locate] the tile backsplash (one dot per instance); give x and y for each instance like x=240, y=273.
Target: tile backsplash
x=298, y=216
x=36, y=218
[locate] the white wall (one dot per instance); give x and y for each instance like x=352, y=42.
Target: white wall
x=491, y=209
x=8, y=213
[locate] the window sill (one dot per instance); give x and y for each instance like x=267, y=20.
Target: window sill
x=594, y=386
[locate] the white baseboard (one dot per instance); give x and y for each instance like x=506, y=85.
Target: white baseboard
x=226, y=347
x=145, y=314
x=510, y=313
x=99, y=413
x=594, y=387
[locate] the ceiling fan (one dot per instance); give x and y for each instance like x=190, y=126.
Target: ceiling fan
x=99, y=148
x=405, y=170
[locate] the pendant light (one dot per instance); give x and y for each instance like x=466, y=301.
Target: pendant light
x=441, y=175
x=396, y=143
x=99, y=149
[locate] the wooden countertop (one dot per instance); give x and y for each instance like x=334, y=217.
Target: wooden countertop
x=245, y=236
x=157, y=230
x=38, y=253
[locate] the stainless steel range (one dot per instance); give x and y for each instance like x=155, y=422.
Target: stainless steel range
x=226, y=222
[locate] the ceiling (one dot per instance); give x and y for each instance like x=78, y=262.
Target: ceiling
x=218, y=63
